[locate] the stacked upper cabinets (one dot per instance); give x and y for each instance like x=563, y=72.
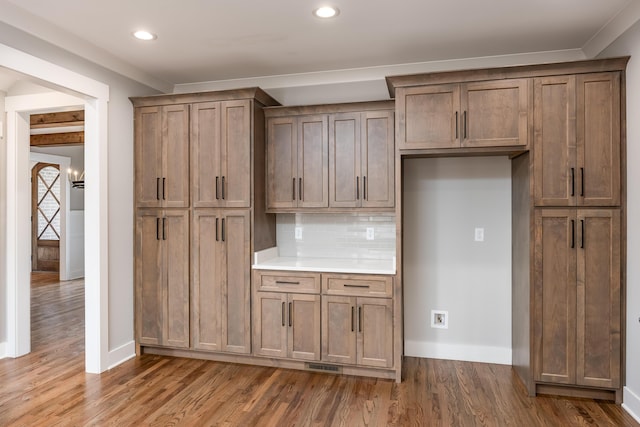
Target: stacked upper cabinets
x=196, y=157
x=331, y=157
x=466, y=115
x=577, y=194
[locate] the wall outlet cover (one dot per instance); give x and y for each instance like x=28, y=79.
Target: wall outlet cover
x=298, y=233
x=370, y=233
x=479, y=235
x=440, y=319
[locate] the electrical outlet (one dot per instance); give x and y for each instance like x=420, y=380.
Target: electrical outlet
x=370, y=233
x=479, y=235
x=440, y=319
x=298, y=233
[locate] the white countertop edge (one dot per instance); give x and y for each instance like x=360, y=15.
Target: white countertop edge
x=327, y=269
x=268, y=259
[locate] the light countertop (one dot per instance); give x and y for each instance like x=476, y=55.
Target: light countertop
x=270, y=260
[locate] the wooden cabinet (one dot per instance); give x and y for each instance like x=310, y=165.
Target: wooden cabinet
x=287, y=324
x=577, y=297
x=221, y=280
x=162, y=277
x=361, y=159
x=221, y=154
x=577, y=140
x=162, y=156
x=475, y=114
x=297, y=162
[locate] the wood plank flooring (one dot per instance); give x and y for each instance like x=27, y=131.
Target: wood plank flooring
x=50, y=388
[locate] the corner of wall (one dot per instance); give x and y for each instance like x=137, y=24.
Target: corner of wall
x=121, y=354
x=631, y=403
x=3, y=350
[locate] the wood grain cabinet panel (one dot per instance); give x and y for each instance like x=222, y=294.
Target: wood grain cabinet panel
x=475, y=114
x=577, y=297
x=577, y=140
x=162, y=156
x=221, y=280
x=361, y=159
x=162, y=274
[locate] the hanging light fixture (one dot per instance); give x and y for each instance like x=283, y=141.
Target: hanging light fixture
x=75, y=180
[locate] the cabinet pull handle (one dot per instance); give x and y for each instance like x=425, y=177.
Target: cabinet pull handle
x=457, y=125
x=217, y=237
x=164, y=228
x=223, y=232
x=164, y=181
x=283, y=313
x=217, y=182
x=223, y=188
x=573, y=182
x=360, y=319
x=357, y=188
x=300, y=189
x=364, y=188
x=293, y=190
x=286, y=282
x=157, y=188
x=348, y=285
x=465, y=125
x=582, y=234
x=581, y=182
x=573, y=234
x=353, y=318
x=157, y=228
x=290, y=314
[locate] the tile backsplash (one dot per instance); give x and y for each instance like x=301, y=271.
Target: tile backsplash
x=336, y=236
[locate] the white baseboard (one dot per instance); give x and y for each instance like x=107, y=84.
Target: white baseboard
x=631, y=403
x=121, y=354
x=76, y=274
x=467, y=353
x=3, y=350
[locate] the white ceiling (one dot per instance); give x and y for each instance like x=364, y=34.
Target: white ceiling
x=213, y=40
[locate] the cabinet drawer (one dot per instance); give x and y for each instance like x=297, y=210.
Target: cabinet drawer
x=345, y=284
x=283, y=281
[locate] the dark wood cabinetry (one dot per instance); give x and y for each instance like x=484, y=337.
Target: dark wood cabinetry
x=474, y=114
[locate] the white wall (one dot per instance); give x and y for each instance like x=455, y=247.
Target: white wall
x=629, y=44
x=445, y=199
x=120, y=160
x=3, y=220
x=76, y=154
x=76, y=244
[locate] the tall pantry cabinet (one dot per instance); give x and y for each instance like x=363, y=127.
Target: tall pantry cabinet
x=199, y=207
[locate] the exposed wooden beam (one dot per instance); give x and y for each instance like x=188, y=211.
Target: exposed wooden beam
x=62, y=118
x=67, y=138
x=56, y=125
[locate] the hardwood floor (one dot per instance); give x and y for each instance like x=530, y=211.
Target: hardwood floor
x=50, y=388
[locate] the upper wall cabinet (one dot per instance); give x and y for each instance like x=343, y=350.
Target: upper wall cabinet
x=577, y=140
x=330, y=157
x=221, y=154
x=467, y=115
x=162, y=156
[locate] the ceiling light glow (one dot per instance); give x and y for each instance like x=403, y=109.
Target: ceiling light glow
x=144, y=35
x=326, y=12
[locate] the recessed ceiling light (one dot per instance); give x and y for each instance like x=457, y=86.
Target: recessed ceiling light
x=144, y=35
x=326, y=12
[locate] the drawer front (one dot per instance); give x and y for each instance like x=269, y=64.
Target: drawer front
x=284, y=281
x=357, y=285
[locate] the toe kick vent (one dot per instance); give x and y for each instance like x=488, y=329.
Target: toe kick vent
x=324, y=368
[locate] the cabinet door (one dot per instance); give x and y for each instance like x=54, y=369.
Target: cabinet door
x=555, y=296
x=148, y=156
x=235, y=283
x=375, y=332
x=206, y=305
x=344, y=160
x=428, y=117
x=339, y=329
x=313, y=162
x=554, y=145
x=282, y=162
x=149, y=266
x=495, y=113
x=304, y=326
x=205, y=154
x=269, y=324
x=175, y=239
x=598, y=306
x=235, y=151
x=175, y=146
x=378, y=160
x=598, y=134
